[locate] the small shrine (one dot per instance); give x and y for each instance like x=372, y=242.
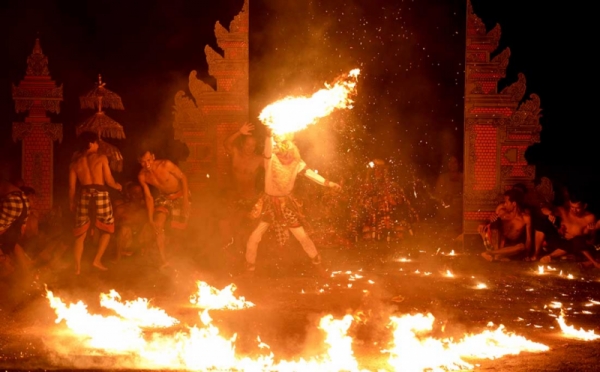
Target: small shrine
x=206, y=119
x=499, y=125
x=36, y=94
x=101, y=124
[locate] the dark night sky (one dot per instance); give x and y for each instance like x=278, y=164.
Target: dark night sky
x=411, y=54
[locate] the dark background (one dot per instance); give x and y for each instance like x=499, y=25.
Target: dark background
x=411, y=55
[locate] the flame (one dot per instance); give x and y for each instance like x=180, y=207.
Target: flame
x=292, y=114
x=209, y=297
x=203, y=347
x=540, y=269
x=579, y=334
x=413, y=351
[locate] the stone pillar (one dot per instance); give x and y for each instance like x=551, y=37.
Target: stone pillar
x=38, y=93
x=499, y=127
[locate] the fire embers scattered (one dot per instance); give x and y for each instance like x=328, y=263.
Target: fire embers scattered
x=140, y=336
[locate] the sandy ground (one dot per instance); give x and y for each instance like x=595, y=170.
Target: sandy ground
x=396, y=279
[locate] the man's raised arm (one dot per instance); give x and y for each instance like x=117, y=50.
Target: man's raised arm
x=245, y=130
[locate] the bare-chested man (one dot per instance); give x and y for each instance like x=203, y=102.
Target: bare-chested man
x=245, y=162
x=515, y=228
x=173, y=201
x=93, y=173
x=575, y=234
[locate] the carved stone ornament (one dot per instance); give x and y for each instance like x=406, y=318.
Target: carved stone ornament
x=502, y=59
x=54, y=131
x=21, y=130
x=37, y=62
x=516, y=89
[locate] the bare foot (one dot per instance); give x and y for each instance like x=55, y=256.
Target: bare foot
x=487, y=256
x=546, y=259
x=99, y=266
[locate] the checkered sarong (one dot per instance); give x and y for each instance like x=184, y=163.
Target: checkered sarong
x=172, y=206
x=14, y=212
x=94, y=203
x=282, y=212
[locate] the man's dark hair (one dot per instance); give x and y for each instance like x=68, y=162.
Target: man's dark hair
x=516, y=196
x=521, y=187
x=576, y=197
x=143, y=152
x=85, y=139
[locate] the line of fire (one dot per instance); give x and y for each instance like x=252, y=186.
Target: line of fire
x=269, y=227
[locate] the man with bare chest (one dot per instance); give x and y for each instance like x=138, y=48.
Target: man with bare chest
x=245, y=162
x=515, y=228
x=575, y=234
x=93, y=173
x=173, y=202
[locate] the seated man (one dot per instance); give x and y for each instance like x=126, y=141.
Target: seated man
x=514, y=226
x=575, y=234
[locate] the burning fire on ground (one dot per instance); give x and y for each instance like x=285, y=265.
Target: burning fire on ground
x=141, y=336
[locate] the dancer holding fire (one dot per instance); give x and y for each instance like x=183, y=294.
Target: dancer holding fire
x=278, y=207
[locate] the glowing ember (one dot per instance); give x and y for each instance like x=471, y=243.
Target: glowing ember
x=540, y=269
x=449, y=274
x=481, y=286
x=293, y=114
x=412, y=351
x=209, y=297
x=579, y=334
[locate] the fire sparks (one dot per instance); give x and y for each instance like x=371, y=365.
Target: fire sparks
x=481, y=286
x=209, y=297
x=293, y=114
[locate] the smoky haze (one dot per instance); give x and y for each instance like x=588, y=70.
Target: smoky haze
x=409, y=104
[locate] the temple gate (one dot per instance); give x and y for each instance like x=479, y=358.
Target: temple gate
x=498, y=126
x=38, y=93
x=205, y=121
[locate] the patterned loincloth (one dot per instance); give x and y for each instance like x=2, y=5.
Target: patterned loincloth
x=172, y=206
x=281, y=212
x=14, y=211
x=94, y=203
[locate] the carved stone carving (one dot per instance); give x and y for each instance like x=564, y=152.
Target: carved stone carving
x=37, y=62
x=497, y=128
x=516, y=89
x=502, y=59
x=20, y=131
x=209, y=115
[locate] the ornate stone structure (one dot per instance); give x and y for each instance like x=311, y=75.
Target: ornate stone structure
x=206, y=119
x=38, y=93
x=499, y=127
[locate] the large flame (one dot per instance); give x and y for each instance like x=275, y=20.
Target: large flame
x=292, y=114
x=135, y=336
x=413, y=350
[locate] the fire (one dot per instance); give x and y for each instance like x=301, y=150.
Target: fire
x=412, y=350
x=209, y=297
x=292, y=114
x=580, y=333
